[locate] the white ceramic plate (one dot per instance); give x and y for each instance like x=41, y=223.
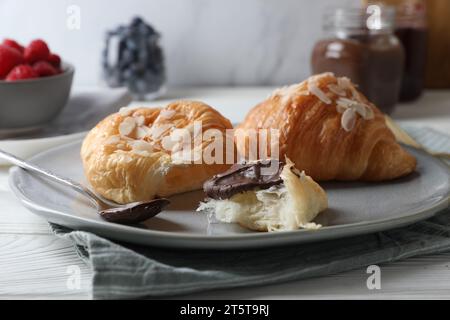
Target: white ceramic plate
x=354, y=208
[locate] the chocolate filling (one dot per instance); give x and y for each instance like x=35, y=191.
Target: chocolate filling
x=243, y=177
x=135, y=212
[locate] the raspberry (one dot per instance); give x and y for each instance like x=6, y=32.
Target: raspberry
x=21, y=72
x=13, y=44
x=44, y=69
x=9, y=58
x=37, y=50
x=54, y=60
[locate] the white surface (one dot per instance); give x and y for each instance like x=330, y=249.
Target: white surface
x=206, y=42
x=34, y=264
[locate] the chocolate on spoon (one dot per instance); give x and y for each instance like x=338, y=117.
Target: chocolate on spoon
x=127, y=214
x=134, y=212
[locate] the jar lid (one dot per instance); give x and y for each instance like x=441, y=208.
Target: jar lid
x=411, y=13
x=374, y=18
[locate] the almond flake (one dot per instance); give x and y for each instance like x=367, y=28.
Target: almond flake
x=360, y=109
x=348, y=119
x=344, y=82
x=355, y=94
x=345, y=102
x=167, y=114
x=140, y=121
x=127, y=126
x=285, y=91
x=125, y=111
x=315, y=90
x=113, y=140
x=141, y=145
x=167, y=143
x=288, y=93
x=322, y=75
x=340, y=108
x=178, y=146
x=369, y=113
x=142, y=132
x=363, y=110
x=157, y=130
x=336, y=89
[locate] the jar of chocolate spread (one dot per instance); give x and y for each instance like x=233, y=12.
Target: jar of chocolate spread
x=411, y=29
x=360, y=43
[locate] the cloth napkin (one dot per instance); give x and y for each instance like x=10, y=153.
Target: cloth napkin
x=122, y=270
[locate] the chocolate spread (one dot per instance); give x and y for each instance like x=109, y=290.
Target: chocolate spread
x=134, y=212
x=243, y=177
x=373, y=62
x=414, y=42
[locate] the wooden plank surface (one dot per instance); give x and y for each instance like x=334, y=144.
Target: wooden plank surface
x=35, y=267
x=425, y=277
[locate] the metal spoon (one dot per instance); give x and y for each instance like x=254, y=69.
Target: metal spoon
x=127, y=214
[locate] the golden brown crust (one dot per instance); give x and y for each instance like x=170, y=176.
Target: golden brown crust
x=312, y=136
x=138, y=166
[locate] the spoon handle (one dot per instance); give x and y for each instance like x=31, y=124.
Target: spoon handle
x=48, y=174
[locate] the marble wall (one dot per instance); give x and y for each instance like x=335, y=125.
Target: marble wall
x=206, y=42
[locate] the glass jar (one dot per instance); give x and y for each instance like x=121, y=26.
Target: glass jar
x=133, y=57
x=411, y=29
x=360, y=43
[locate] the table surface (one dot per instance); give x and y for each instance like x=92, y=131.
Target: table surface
x=34, y=264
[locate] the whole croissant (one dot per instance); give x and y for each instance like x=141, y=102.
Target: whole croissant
x=330, y=130
x=129, y=156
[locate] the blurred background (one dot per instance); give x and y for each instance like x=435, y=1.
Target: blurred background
x=206, y=42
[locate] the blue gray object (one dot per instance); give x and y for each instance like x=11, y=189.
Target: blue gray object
x=123, y=270
x=133, y=58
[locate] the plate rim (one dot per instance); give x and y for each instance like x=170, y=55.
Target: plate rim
x=405, y=218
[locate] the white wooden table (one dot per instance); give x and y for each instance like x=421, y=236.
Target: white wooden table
x=34, y=264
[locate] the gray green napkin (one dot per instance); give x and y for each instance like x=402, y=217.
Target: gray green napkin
x=123, y=270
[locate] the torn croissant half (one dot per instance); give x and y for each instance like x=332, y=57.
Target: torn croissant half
x=283, y=200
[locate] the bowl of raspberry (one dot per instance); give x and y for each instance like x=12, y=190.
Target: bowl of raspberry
x=34, y=85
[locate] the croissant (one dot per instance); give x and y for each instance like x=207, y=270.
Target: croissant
x=130, y=155
x=330, y=130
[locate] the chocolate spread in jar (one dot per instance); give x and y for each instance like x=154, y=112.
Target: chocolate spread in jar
x=359, y=43
x=373, y=62
x=414, y=41
x=243, y=177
